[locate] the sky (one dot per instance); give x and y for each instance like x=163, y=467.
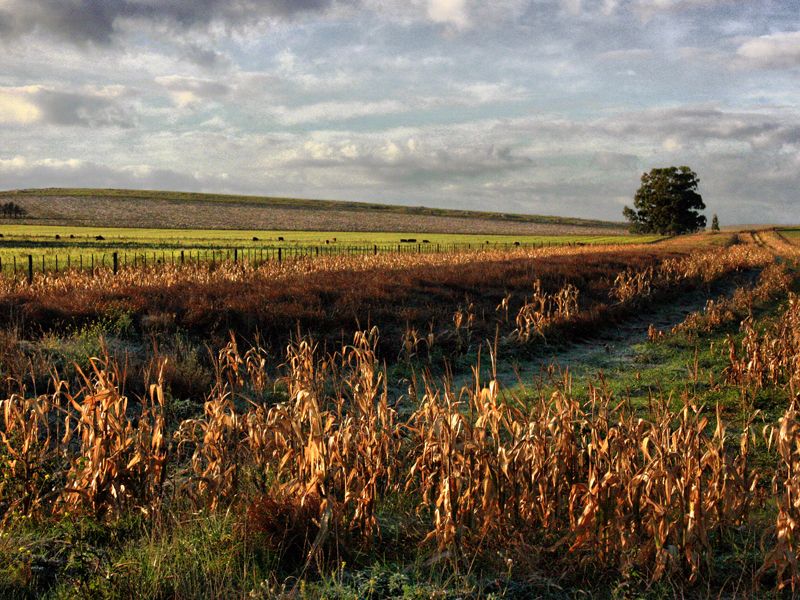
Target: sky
x=536, y=106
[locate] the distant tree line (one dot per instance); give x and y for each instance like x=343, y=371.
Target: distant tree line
x=12, y=210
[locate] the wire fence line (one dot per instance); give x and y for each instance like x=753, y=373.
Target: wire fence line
x=26, y=265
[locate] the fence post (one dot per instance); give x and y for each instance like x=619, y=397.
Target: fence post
x=182, y=258
x=116, y=262
x=280, y=255
x=30, y=268
x=235, y=255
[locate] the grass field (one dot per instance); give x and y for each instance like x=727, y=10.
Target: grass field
x=791, y=234
x=149, y=209
x=44, y=235
x=20, y=240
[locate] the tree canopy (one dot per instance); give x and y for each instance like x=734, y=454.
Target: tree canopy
x=667, y=203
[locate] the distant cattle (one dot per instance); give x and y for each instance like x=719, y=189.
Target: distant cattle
x=99, y=238
x=58, y=237
x=280, y=238
x=426, y=241
x=255, y=239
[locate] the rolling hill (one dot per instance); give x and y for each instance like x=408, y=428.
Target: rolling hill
x=183, y=210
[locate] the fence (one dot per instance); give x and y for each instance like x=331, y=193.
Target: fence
x=29, y=264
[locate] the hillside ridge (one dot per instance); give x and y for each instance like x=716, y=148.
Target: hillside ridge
x=306, y=203
x=193, y=210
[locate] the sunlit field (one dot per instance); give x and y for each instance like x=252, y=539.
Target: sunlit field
x=420, y=425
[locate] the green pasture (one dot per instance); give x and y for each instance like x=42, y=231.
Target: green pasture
x=44, y=236
x=75, y=245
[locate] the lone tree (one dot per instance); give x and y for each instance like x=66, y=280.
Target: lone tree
x=714, y=223
x=667, y=203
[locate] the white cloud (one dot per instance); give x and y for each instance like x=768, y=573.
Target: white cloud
x=17, y=108
x=626, y=54
x=573, y=7
x=772, y=51
x=449, y=12
x=335, y=111
x=186, y=91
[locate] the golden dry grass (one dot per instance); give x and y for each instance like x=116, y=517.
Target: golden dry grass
x=586, y=482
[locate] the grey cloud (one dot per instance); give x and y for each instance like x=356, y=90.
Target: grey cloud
x=84, y=20
x=396, y=161
x=701, y=124
x=207, y=58
x=97, y=21
x=615, y=160
x=85, y=110
x=19, y=173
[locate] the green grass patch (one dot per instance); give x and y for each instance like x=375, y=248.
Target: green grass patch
x=76, y=245
x=792, y=234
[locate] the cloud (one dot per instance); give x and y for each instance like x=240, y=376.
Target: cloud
x=207, y=58
x=707, y=128
x=18, y=172
x=775, y=50
x=17, y=109
x=449, y=12
x=37, y=104
x=406, y=159
x=650, y=7
x=97, y=21
x=515, y=104
x=626, y=54
x=616, y=161
x=573, y=7
x=186, y=91
x=335, y=111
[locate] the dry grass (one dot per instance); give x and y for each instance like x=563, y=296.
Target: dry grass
x=606, y=487
x=199, y=211
x=561, y=482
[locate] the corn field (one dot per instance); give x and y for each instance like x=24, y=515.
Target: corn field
x=544, y=476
